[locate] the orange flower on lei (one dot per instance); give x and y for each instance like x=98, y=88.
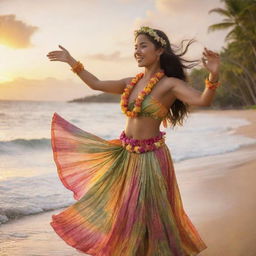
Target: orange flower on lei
x=147, y=89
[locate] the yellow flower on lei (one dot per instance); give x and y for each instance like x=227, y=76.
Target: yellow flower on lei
x=128, y=147
x=136, y=149
x=137, y=109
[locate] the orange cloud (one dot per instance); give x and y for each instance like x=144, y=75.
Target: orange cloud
x=15, y=33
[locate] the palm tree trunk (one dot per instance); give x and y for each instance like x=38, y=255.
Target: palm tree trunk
x=249, y=81
x=241, y=94
x=249, y=87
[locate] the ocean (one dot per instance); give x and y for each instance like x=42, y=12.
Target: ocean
x=29, y=183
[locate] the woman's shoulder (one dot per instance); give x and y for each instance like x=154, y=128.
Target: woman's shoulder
x=171, y=81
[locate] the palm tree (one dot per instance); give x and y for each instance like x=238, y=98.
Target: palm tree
x=240, y=55
x=240, y=16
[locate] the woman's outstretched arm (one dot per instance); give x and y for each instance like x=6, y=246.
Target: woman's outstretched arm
x=110, y=86
x=191, y=96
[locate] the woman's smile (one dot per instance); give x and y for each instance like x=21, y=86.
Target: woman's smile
x=139, y=58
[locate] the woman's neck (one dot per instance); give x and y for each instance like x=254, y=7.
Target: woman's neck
x=150, y=71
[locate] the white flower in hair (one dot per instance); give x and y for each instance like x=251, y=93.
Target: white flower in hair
x=152, y=33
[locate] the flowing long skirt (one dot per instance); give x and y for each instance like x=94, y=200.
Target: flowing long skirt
x=128, y=204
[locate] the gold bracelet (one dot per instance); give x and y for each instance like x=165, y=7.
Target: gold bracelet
x=78, y=67
x=211, y=85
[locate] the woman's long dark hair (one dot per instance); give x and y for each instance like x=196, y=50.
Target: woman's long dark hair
x=174, y=66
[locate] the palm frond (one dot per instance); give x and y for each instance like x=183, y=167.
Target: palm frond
x=231, y=36
x=228, y=20
x=221, y=12
x=220, y=26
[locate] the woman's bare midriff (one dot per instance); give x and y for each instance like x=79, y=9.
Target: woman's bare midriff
x=141, y=128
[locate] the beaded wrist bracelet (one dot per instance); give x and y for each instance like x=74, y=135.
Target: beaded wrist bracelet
x=211, y=85
x=78, y=67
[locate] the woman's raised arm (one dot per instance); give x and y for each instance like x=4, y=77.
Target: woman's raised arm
x=110, y=86
x=191, y=96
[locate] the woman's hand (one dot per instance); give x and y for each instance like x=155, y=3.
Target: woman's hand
x=63, y=56
x=211, y=61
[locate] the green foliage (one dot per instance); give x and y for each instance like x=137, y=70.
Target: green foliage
x=250, y=107
x=238, y=58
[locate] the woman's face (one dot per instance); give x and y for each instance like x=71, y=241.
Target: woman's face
x=144, y=51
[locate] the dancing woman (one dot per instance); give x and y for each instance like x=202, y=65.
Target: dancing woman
x=128, y=199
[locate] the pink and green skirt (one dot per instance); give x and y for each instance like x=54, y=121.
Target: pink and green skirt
x=128, y=201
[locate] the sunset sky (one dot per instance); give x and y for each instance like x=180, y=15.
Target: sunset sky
x=99, y=33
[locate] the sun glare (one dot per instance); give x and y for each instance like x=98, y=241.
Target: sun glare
x=5, y=79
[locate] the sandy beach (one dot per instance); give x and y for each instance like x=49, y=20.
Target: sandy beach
x=218, y=195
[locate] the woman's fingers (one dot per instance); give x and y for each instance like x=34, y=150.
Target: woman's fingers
x=54, y=55
x=53, y=52
x=58, y=59
x=208, y=53
x=211, y=53
x=61, y=47
x=58, y=55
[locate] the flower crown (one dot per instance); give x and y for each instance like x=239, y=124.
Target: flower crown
x=152, y=33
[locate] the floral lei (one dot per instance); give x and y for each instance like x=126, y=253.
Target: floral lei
x=147, y=89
